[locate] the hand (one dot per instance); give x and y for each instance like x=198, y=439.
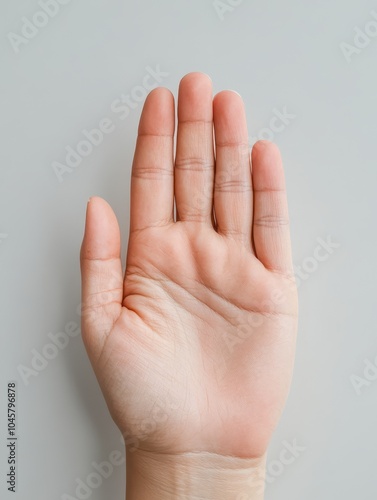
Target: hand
x=194, y=349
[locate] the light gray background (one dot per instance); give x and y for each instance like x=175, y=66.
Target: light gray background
x=276, y=54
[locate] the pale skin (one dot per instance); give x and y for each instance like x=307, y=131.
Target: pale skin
x=193, y=346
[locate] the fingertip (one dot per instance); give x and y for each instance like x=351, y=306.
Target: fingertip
x=196, y=78
x=266, y=148
x=267, y=166
x=157, y=117
x=99, y=215
x=101, y=236
x=228, y=96
x=195, y=98
x=230, y=120
x=162, y=92
x=96, y=203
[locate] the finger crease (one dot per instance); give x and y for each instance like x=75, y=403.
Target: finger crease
x=271, y=221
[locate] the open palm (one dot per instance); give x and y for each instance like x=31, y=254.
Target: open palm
x=194, y=346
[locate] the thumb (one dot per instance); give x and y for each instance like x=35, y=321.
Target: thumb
x=101, y=275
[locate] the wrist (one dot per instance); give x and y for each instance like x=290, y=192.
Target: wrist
x=187, y=476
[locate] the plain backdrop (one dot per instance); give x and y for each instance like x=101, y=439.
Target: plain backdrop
x=78, y=68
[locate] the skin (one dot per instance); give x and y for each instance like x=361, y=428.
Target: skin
x=193, y=346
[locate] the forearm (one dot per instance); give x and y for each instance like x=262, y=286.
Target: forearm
x=193, y=476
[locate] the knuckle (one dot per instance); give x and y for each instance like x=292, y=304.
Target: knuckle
x=151, y=172
x=232, y=186
x=193, y=163
x=271, y=221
